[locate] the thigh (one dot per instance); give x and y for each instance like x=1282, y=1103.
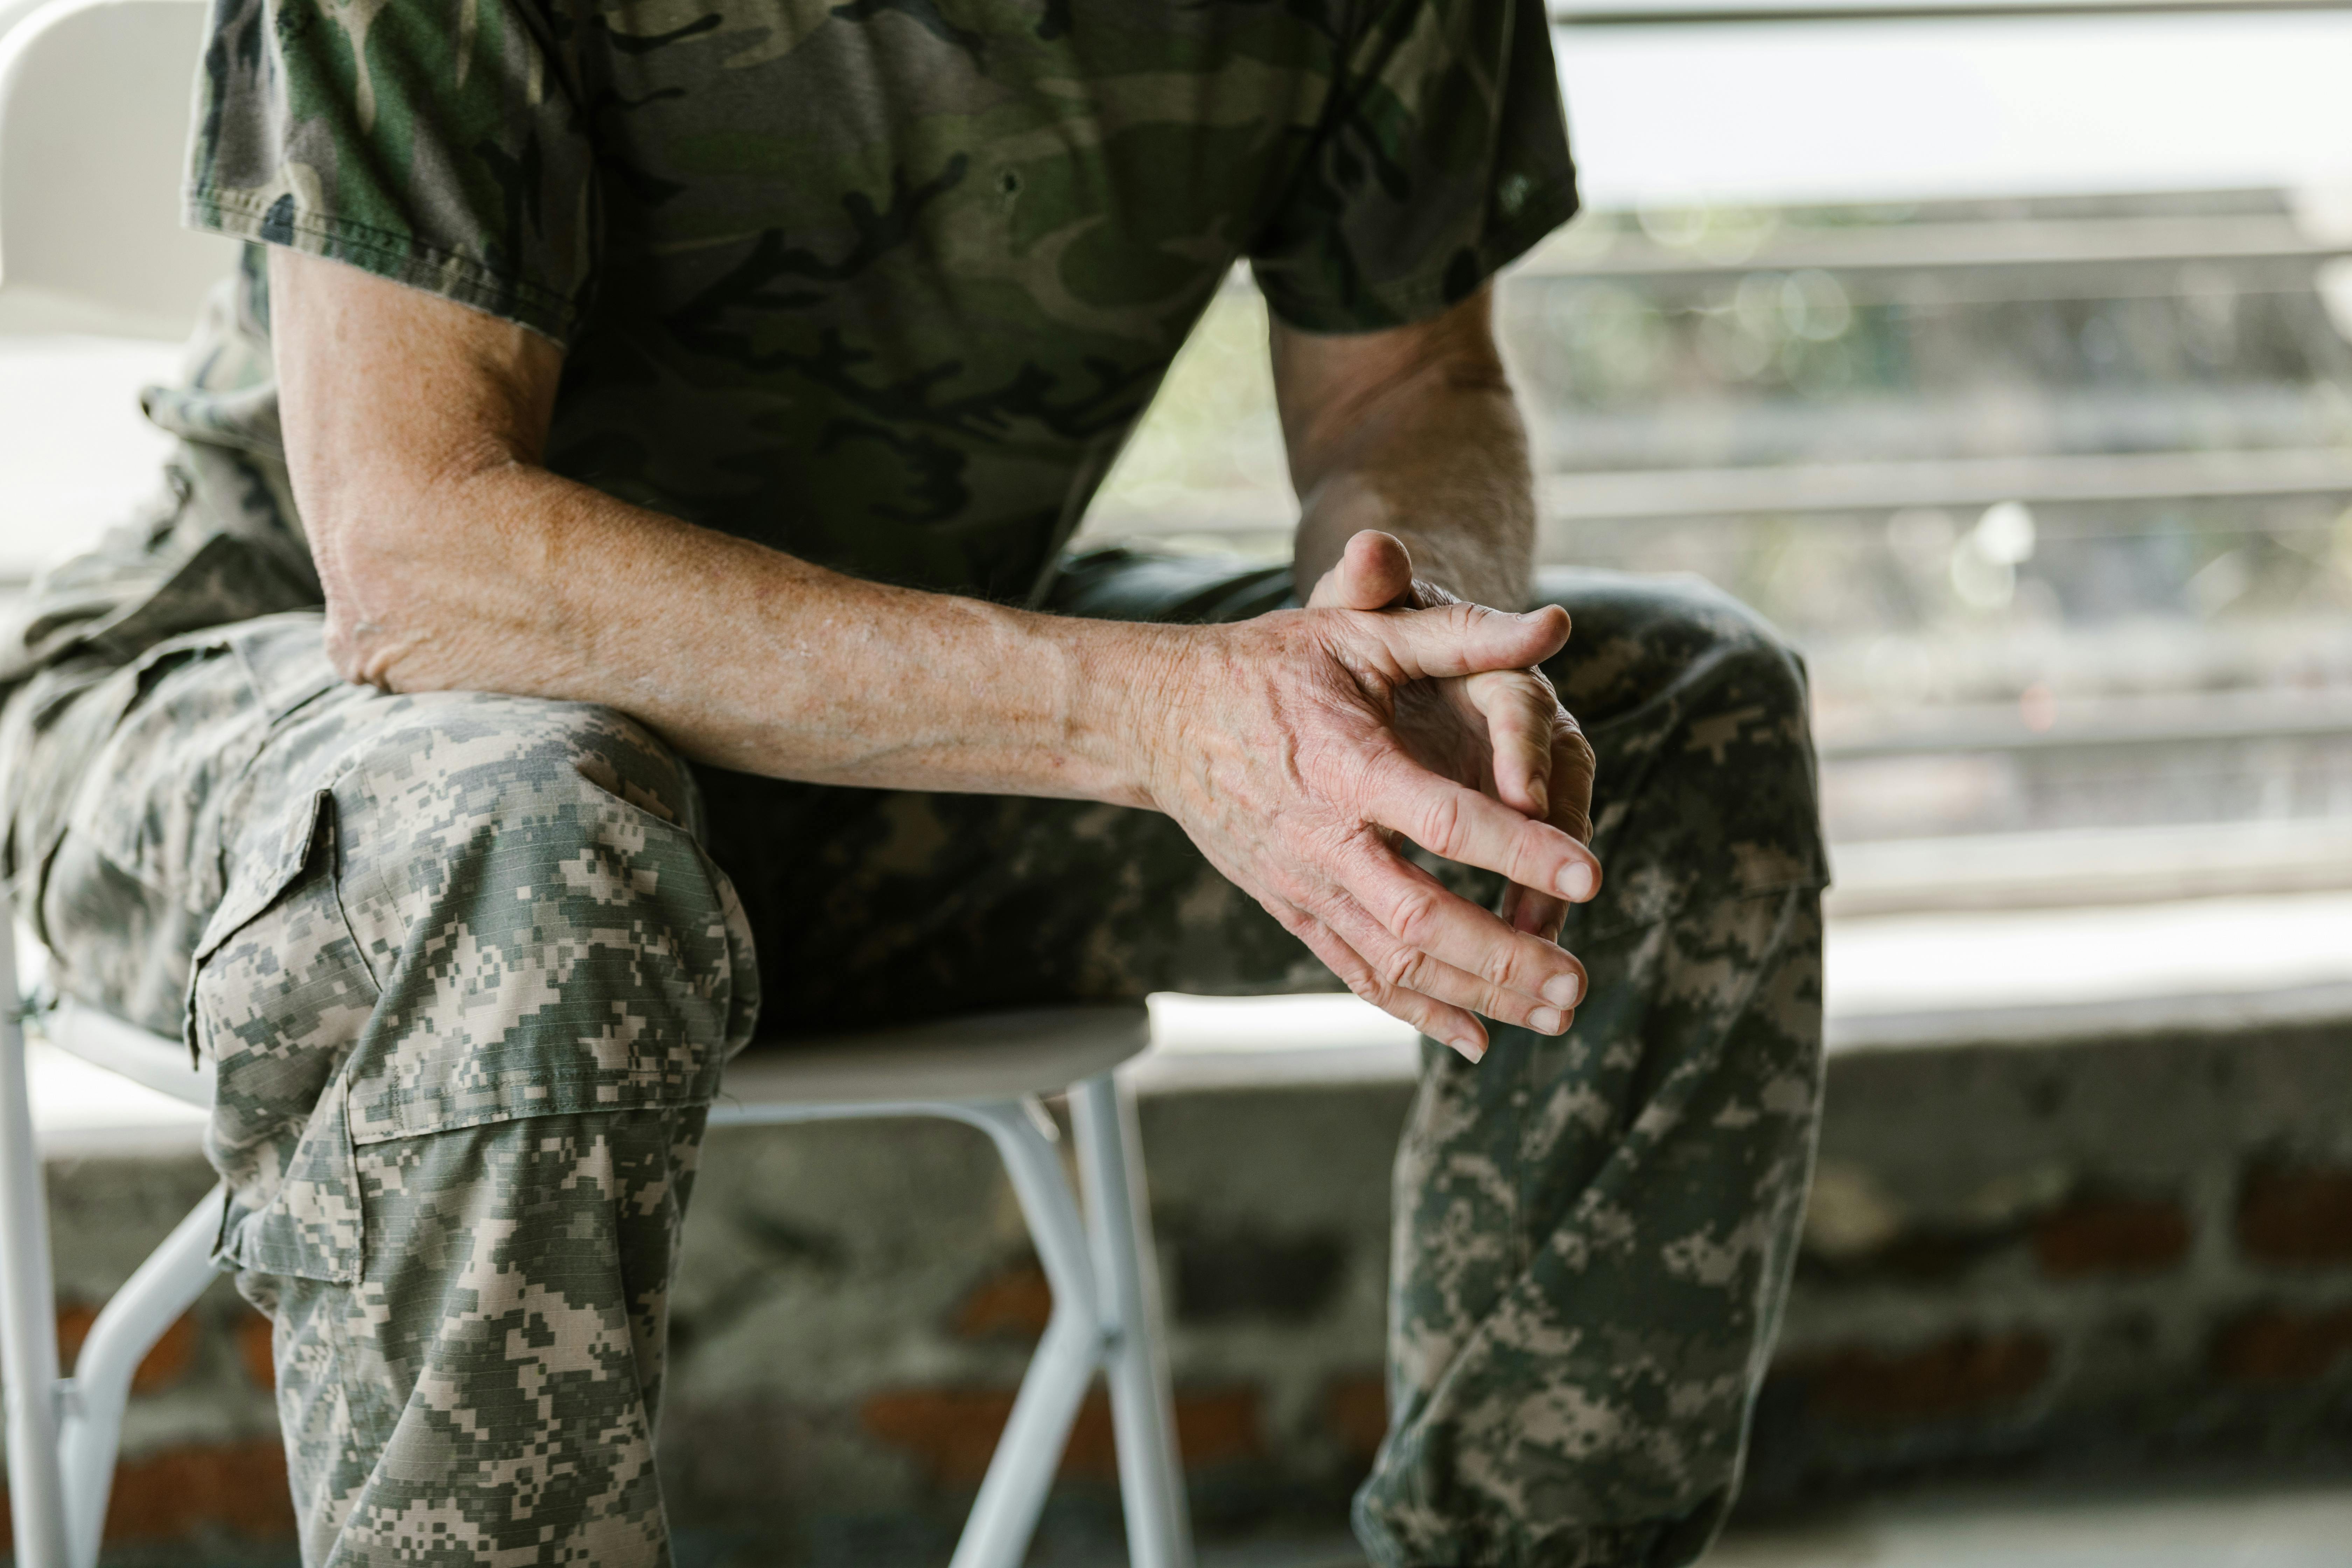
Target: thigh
x=872, y=906
x=131, y=788
x=159, y=806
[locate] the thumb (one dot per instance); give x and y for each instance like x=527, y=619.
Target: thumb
x=1465, y=639
x=1375, y=573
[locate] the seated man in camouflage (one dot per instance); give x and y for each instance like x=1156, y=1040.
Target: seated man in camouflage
x=612, y=582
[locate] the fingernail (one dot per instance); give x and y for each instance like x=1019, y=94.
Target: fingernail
x=1469, y=1048
x=1576, y=883
x=1544, y=1021
x=1563, y=990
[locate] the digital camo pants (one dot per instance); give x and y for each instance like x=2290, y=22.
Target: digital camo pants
x=471, y=967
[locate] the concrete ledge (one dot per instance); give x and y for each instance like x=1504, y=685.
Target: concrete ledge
x=1906, y=982
x=2212, y=1013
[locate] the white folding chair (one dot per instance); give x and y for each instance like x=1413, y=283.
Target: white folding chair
x=93, y=97
x=988, y=1070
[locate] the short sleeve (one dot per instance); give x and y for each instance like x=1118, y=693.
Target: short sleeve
x=1443, y=154
x=434, y=142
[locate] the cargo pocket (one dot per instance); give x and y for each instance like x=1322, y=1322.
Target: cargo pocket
x=278, y=999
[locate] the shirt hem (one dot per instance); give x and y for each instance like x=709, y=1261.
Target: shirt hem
x=1426, y=293
x=386, y=254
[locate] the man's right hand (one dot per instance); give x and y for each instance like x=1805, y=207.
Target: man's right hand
x=1272, y=743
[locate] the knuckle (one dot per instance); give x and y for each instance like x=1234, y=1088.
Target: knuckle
x=1441, y=821
x=1400, y=968
x=1414, y=918
x=1532, y=857
x=1504, y=968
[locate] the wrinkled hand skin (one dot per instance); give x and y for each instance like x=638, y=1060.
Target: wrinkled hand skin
x=1297, y=745
x=1503, y=732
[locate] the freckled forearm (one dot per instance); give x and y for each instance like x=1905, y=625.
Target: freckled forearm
x=518, y=581
x=454, y=561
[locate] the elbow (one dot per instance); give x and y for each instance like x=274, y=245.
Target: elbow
x=348, y=640
x=360, y=645
x=427, y=575
x=379, y=598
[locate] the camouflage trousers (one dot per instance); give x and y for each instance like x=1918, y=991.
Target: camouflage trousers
x=471, y=967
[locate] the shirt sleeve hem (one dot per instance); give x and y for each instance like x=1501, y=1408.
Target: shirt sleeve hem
x=386, y=254
x=1433, y=289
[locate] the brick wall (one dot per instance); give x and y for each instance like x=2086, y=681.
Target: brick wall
x=2019, y=1260
x=2085, y=1256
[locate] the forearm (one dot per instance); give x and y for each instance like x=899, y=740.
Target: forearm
x=1448, y=475
x=1415, y=433
x=512, y=579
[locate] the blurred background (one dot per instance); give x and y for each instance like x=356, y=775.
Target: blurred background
x=2001, y=354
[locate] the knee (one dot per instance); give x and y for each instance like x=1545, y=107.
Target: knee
x=524, y=832
x=525, y=878
x=1749, y=669
x=1680, y=649
x=528, y=782
x=1699, y=714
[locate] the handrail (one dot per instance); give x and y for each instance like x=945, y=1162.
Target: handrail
x=1674, y=14
x=2234, y=718
x=1972, y=244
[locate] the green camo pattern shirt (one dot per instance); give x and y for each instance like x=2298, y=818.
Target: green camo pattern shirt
x=883, y=284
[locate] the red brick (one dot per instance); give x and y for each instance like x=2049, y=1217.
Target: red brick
x=953, y=1431
x=2296, y=1216
x=253, y=1350
x=1356, y=1412
x=1965, y=1374
x=164, y=1365
x=2274, y=1346
x=1012, y=1303
x=239, y=1488
x=1219, y=1426
x=2092, y=1236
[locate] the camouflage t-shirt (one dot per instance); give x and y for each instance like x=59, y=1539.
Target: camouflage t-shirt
x=883, y=284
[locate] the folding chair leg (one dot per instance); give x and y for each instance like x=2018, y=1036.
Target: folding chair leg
x=126, y=1328
x=1021, y=1471
x=29, y=1309
x=1151, y=1472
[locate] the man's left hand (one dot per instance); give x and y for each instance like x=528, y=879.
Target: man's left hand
x=1503, y=733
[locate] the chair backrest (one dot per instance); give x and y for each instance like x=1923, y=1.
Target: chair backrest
x=94, y=107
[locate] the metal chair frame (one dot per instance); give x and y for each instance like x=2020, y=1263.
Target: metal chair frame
x=63, y=1432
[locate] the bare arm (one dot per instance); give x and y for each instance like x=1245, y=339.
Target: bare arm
x=452, y=560
x=1413, y=432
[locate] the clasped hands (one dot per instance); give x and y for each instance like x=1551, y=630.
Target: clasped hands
x=1303, y=745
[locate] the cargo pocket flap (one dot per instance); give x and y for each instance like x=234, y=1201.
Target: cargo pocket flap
x=265, y=876
x=278, y=996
